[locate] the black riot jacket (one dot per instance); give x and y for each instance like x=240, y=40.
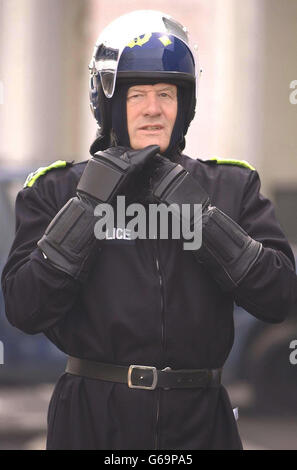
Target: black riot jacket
x=145, y=302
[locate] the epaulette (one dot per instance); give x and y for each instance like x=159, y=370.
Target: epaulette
x=226, y=161
x=32, y=177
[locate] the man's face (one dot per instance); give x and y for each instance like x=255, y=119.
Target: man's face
x=151, y=114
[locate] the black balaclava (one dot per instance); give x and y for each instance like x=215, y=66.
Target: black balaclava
x=119, y=133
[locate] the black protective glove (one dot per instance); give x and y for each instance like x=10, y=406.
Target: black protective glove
x=69, y=242
x=114, y=171
x=227, y=251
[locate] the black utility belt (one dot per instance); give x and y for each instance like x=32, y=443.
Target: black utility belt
x=145, y=377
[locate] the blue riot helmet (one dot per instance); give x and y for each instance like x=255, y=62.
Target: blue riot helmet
x=143, y=47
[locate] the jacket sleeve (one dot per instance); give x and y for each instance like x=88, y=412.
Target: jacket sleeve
x=36, y=294
x=269, y=290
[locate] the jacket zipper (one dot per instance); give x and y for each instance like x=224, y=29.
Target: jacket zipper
x=157, y=436
x=162, y=300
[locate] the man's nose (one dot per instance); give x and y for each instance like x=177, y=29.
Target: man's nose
x=153, y=106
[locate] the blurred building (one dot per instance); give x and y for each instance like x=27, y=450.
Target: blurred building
x=247, y=52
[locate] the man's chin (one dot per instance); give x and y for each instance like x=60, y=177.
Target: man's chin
x=150, y=141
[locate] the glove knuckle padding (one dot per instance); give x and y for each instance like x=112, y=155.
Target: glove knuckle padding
x=109, y=171
x=227, y=250
x=101, y=178
x=179, y=187
x=69, y=238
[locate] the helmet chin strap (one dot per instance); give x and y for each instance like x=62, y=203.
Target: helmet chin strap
x=119, y=131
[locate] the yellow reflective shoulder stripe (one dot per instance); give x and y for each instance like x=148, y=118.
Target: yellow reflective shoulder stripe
x=226, y=161
x=32, y=177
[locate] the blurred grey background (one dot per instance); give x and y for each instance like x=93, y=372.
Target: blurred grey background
x=247, y=110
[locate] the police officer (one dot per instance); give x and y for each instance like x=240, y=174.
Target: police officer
x=146, y=324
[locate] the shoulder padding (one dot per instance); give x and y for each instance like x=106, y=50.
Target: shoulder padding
x=226, y=161
x=32, y=177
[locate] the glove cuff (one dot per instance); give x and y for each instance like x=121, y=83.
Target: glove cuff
x=227, y=251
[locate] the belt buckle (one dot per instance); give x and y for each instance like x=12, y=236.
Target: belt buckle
x=145, y=387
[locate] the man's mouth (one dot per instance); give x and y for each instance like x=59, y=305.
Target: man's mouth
x=156, y=127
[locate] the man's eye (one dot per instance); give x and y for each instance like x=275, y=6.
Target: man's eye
x=134, y=96
x=166, y=95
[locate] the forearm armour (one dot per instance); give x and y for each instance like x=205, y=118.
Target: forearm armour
x=69, y=241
